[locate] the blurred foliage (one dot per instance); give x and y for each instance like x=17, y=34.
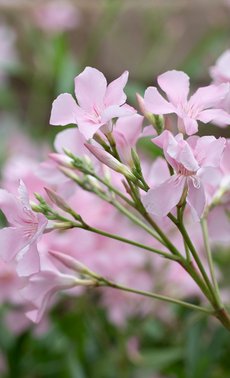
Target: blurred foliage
x=82, y=343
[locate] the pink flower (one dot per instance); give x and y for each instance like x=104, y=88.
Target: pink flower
x=190, y=160
x=202, y=106
x=41, y=287
x=220, y=73
x=98, y=103
x=57, y=16
x=126, y=132
x=19, y=240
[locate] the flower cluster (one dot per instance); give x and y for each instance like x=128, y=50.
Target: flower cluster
x=98, y=193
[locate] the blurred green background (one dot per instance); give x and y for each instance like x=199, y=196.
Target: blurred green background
x=146, y=37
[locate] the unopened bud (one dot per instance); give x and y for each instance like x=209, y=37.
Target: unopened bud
x=35, y=207
x=61, y=159
x=156, y=120
x=57, y=200
x=136, y=161
x=70, y=173
x=107, y=159
x=73, y=264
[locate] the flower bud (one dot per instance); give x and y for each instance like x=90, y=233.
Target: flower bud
x=110, y=161
x=57, y=200
x=73, y=264
x=156, y=120
x=60, y=159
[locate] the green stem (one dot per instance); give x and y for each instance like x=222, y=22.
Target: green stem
x=114, y=190
x=127, y=241
x=159, y=297
x=190, y=245
x=136, y=220
x=204, y=228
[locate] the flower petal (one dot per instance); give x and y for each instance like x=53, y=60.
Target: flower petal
x=209, y=96
x=175, y=84
x=214, y=115
x=130, y=127
x=90, y=88
x=155, y=103
x=115, y=91
x=64, y=110
x=70, y=139
x=29, y=263
x=160, y=200
x=209, y=150
x=190, y=125
x=196, y=198
x=115, y=111
x=11, y=241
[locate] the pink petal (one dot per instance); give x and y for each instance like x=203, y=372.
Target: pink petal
x=130, y=127
x=160, y=200
x=190, y=125
x=29, y=263
x=11, y=207
x=115, y=111
x=196, y=198
x=163, y=139
x=209, y=96
x=64, y=110
x=187, y=159
x=155, y=103
x=90, y=88
x=209, y=150
x=88, y=128
x=175, y=84
x=115, y=91
x=70, y=139
x=24, y=195
x=123, y=147
x=11, y=241
x=214, y=115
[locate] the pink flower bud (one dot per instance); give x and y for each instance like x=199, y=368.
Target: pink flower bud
x=61, y=159
x=57, y=200
x=110, y=161
x=72, y=263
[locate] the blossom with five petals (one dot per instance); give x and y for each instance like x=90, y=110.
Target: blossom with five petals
x=202, y=106
x=19, y=240
x=98, y=103
x=190, y=160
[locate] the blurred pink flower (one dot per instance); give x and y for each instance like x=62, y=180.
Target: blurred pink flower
x=19, y=240
x=189, y=159
x=98, y=103
x=220, y=73
x=202, y=106
x=57, y=16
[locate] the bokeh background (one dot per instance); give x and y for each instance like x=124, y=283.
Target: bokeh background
x=43, y=46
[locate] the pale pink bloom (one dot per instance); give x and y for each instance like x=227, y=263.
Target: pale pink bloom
x=220, y=72
x=19, y=240
x=98, y=103
x=126, y=132
x=189, y=159
x=57, y=16
x=41, y=287
x=202, y=106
